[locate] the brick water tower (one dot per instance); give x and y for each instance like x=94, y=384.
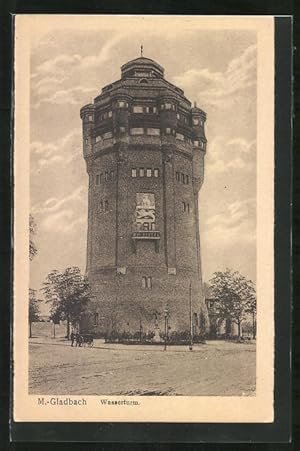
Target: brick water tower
x=144, y=146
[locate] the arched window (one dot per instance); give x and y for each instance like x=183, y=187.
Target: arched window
x=144, y=81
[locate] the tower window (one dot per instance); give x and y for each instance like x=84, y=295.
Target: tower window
x=133, y=172
x=178, y=116
x=142, y=172
x=147, y=282
x=195, y=121
x=96, y=319
x=168, y=106
x=106, y=176
x=86, y=141
x=149, y=172
x=98, y=179
x=186, y=207
x=138, y=109
x=156, y=172
x=122, y=104
x=122, y=129
x=112, y=175
x=110, y=114
x=90, y=118
x=183, y=178
x=152, y=109
x=168, y=131
x=106, y=205
x=153, y=131
x=136, y=131
x=98, y=138
x=196, y=143
x=101, y=205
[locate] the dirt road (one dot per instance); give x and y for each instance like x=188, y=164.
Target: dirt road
x=217, y=368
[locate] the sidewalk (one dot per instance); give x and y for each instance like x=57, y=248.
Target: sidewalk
x=99, y=343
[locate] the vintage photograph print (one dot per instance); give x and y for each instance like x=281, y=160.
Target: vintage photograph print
x=143, y=220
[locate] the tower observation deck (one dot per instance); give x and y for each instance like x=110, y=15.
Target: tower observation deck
x=144, y=146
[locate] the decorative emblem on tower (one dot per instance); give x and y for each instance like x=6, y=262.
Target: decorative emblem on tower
x=145, y=211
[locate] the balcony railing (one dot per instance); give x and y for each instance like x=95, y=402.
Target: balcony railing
x=146, y=235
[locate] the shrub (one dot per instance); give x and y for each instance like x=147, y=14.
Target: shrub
x=200, y=338
x=175, y=337
x=179, y=336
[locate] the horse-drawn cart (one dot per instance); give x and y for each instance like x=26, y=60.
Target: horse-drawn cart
x=84, y=340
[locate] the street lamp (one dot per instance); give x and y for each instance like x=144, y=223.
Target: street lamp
x=166, y=315
x=141, y=330
x=52, y=321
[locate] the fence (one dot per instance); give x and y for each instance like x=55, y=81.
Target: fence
x=46, y=329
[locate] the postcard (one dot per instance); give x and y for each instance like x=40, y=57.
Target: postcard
x=143, y=219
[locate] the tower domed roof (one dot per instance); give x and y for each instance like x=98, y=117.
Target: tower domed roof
x=142, y=64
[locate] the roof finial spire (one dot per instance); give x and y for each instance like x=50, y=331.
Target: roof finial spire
x=142, y=51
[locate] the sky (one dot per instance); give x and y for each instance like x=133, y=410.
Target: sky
x=216, y=68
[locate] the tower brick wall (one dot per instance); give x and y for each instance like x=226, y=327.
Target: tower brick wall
x=144, y=147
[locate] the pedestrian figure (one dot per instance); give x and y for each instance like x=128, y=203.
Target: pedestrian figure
x=73, y=336
x=79, y=340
